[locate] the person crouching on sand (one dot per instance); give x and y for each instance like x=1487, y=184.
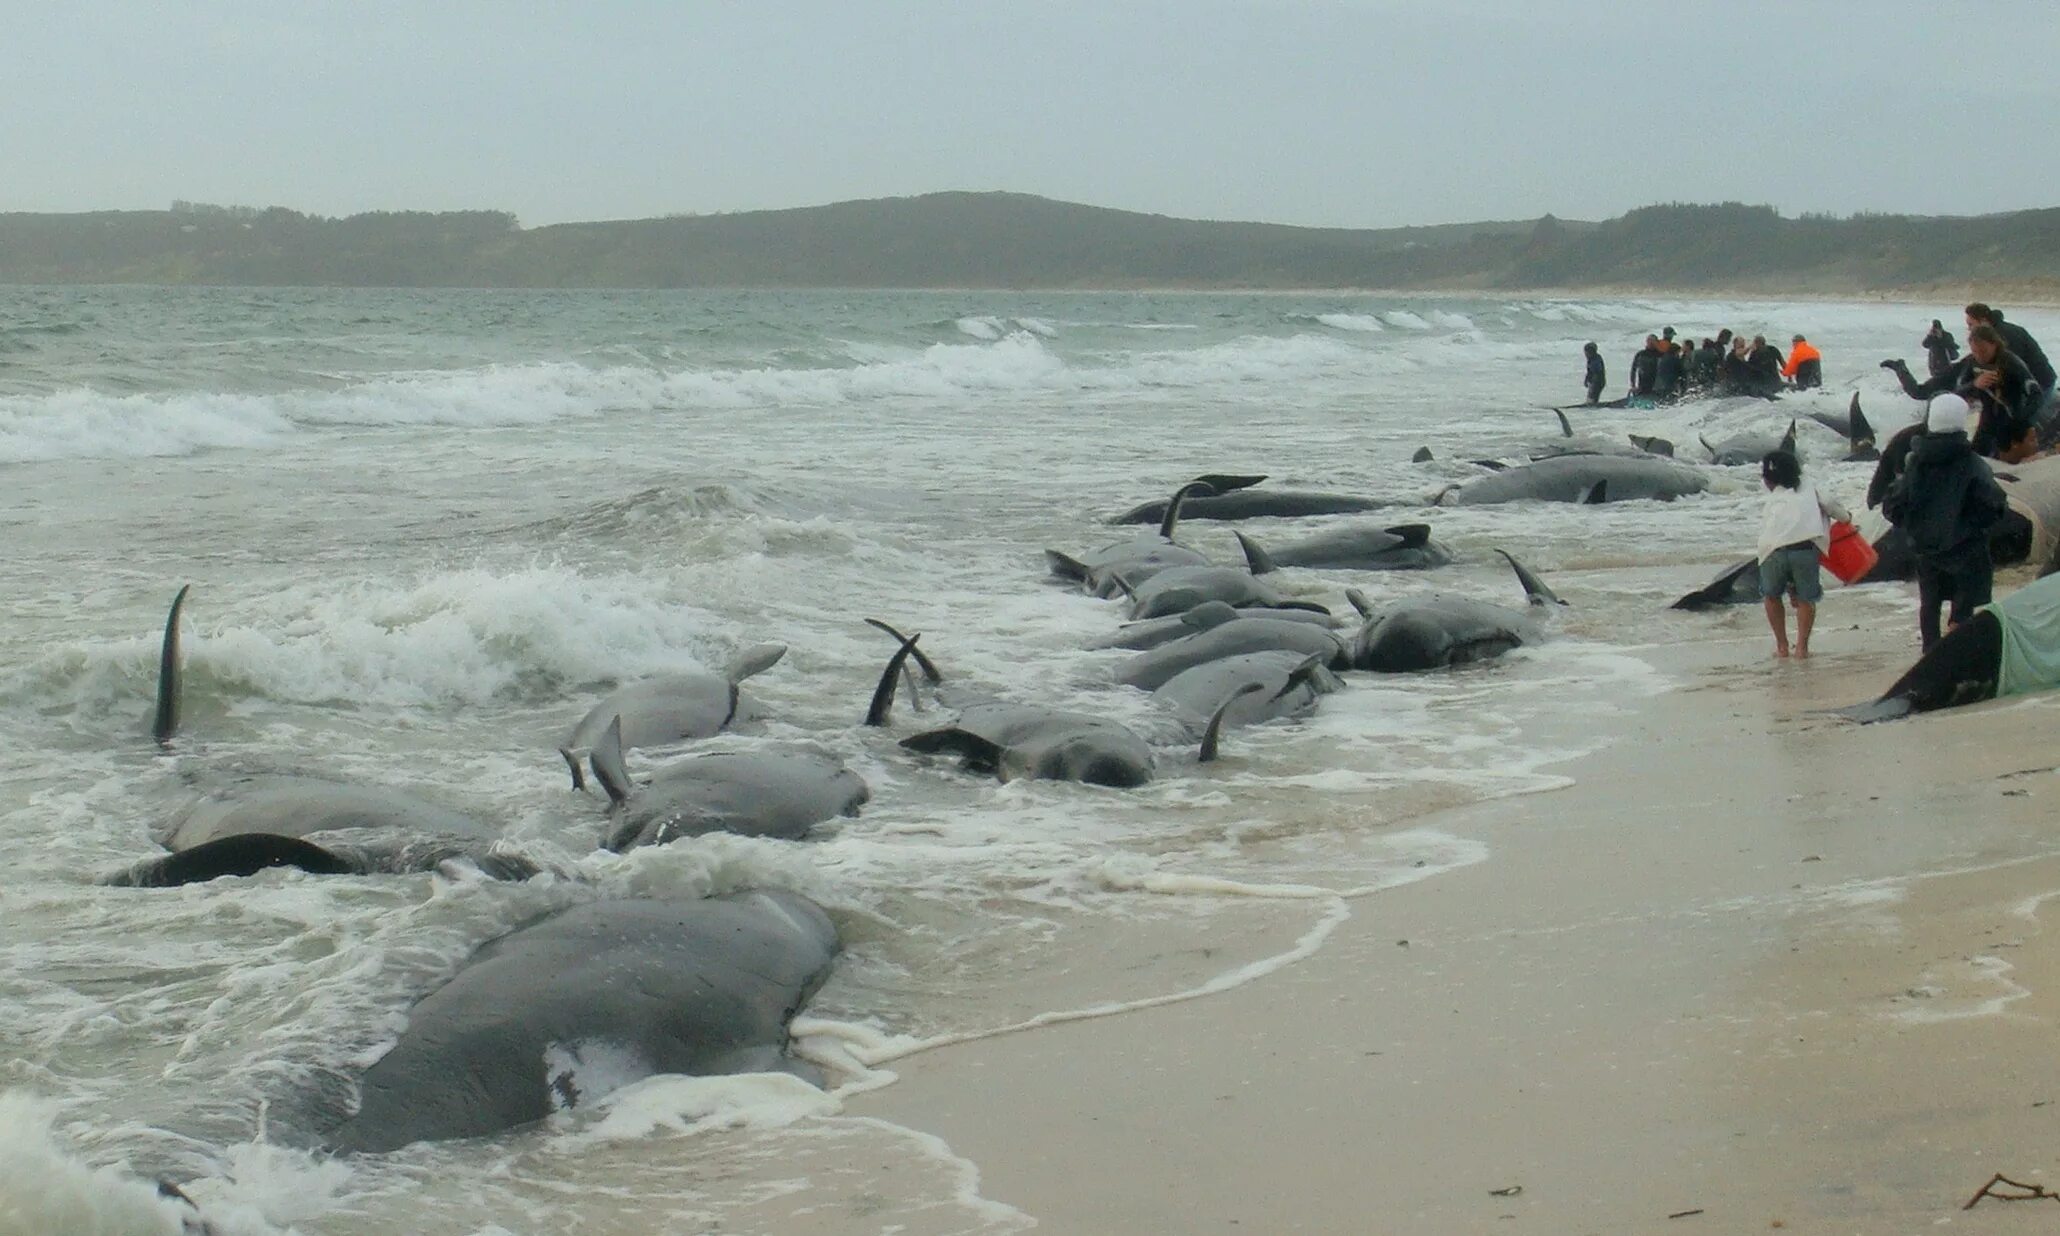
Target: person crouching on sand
x=1795, y=527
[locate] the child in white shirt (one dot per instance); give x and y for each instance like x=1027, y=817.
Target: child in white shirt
x=1794, y=528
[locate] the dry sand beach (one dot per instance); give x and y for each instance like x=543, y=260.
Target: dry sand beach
x=1756, y=968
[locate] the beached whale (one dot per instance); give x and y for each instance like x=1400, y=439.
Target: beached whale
x=1634, y=446
x=1582, y=478
x=1179, y=589
x=1151, y=670
x=1354, y=547
x=556, y=1015
x=1152, y=632
x=2011, y=647
x=668, y=708
x=252, y=823
x=1137, y=558
x=1749, y=448
x=1435, y=631
x=1853, y=427
x=1245, y=690
x=1245, y=502
x=1737, y=584
x=763, y=793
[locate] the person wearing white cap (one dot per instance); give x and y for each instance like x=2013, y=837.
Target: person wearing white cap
x=1946, y=501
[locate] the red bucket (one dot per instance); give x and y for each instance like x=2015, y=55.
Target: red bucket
x=1850, y=557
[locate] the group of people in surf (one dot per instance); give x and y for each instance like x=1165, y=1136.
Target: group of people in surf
x=1935, y=481
x=1667, y=370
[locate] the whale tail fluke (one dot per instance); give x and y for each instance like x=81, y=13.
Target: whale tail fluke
x=1212, y=737
x=166, y=721
x=609, y=770
x=882, y=704
x=1533, y=586
x=755, y=660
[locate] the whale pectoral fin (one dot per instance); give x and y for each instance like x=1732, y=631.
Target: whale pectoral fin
x=976, y=753
x=1706, y=446
x=1412, y=536
x=1534, y=588
x=1718, y=590
x=1122, y=585
x=883, y=695
x=1597, y=494
x=606, y=760
x=1359, y=602
x=1226, y=482
x=1200, y=488
x=1566, y=428
x=1888, y=708
x=1652, y=446
x=930, y=671
x=579, y=776
x=1307, y=607
x=166, y=722
x=1213, y=735
x=755, y=660
x=1065, y=566
x=243, y=854
x=1256, y=558
x=1307, y=674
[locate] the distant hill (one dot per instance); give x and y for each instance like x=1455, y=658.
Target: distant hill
x=1013, y=240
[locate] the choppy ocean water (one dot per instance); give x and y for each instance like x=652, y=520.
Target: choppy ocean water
x=426, y=530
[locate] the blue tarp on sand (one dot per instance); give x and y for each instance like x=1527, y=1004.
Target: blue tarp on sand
x=2030, y=618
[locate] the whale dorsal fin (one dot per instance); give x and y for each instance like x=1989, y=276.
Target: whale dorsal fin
x=609, y=770
x=1213, y=735
x=1208, y=614
x=1597, y=494
x=1788, y=439
x=1412, y=536
x=166, y=722
x=1423, y=455
x=931, y=673
x=755, y=660
x=1859, y=431
x=1533, y=586
x=883, y=694
x=1566, y=427
x=1257, y=560
x=1200, y=488
x=1359, y=602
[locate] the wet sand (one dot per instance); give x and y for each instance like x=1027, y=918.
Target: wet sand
x=1756, y=967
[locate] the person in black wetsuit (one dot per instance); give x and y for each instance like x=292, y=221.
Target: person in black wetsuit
x=1763, y=368
x=1946, y=500
x=1998, y=384
x=2026, y=349
x=1734, y=374
x=1669, y=373
x=1597, y=377
x=1940, y=347
x=1703, y=365
x=1645, y=367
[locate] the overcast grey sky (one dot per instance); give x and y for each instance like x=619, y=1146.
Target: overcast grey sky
x=1346, y=112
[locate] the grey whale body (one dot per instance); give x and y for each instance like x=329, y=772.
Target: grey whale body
x=1584, y=478
x=554, y=1015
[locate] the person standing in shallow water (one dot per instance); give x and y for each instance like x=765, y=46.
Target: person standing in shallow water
x=1597, y=377
x=1940, y=347
x=1946, y=500
x=1795, y=527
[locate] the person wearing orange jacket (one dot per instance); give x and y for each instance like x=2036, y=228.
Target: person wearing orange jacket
x=1805, y=365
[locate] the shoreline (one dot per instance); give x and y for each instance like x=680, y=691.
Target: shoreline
x=1816, y=997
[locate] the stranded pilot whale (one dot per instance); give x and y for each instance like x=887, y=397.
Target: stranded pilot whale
x=555, y=1015
x=1235, y=498
x=1430, y=632
x=668, y=708
x=1582, y=478
x=315, y=824
x=760, y=793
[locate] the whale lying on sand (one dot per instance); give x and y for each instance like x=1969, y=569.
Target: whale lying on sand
x=781, y=794
x=1749, y=449
x=1582, y=478
x=556, y=1015
x=1241, y=501
x=1354, y=547
x=1431, y=632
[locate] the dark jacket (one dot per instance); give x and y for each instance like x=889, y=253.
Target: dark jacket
x=1942, y=349
x=1894, y=456
x=1668, y=374
x=2003, y=415
x=1597, y=378
x=2025, y=348
x=1644, y=370
x=1946, y=500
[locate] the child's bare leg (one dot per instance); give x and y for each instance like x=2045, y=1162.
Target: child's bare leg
x=1805, y=618
x=1777, y=618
